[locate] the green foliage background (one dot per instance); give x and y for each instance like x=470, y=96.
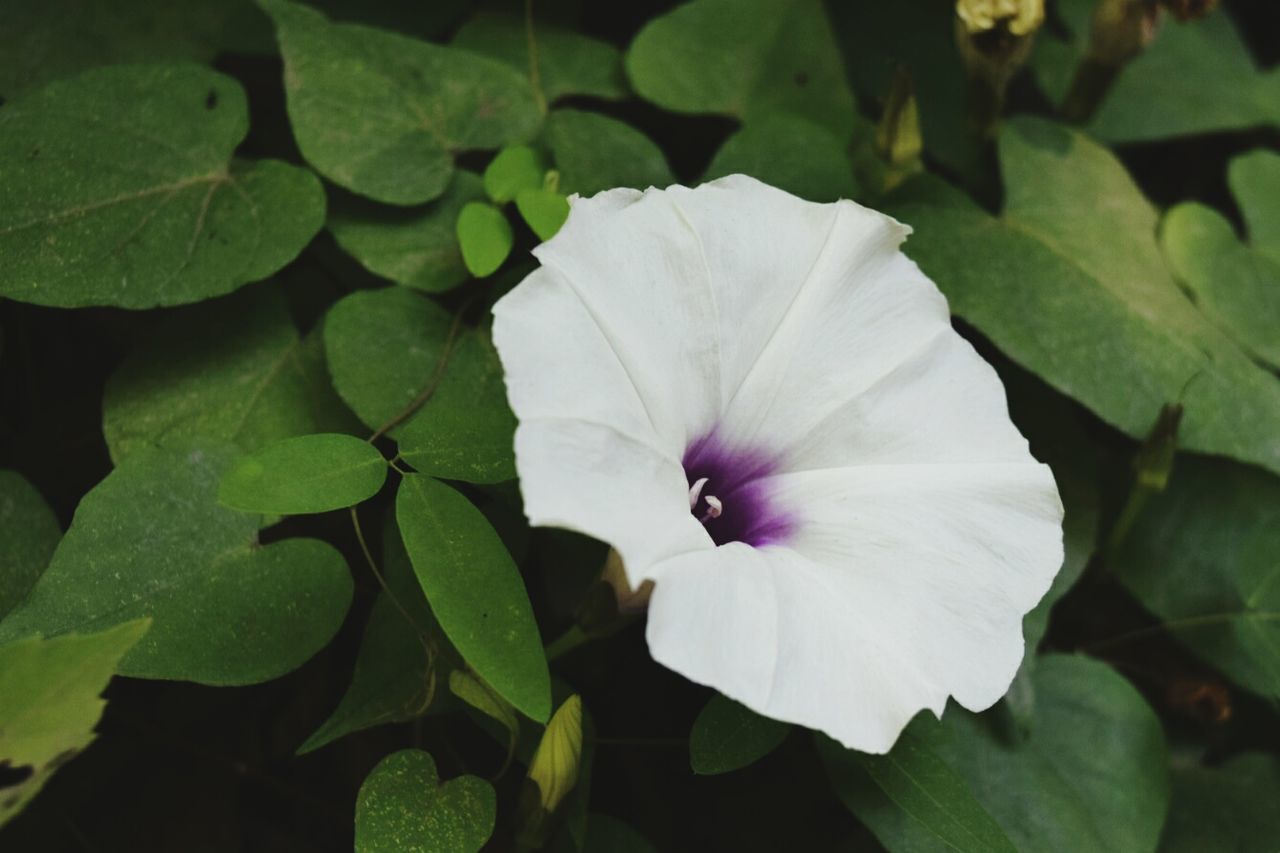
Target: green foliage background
x=256, y=477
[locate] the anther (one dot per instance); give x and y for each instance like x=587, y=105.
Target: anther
x=714, y=508
x=695, y=491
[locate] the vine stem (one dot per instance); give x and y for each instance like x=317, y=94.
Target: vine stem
x=1176, y=625
x=535, y=76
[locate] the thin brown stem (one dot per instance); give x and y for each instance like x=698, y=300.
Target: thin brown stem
x=418, y=402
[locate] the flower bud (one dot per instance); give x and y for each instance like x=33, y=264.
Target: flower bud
x=553, y=772
x=898, y=139
x=994, y=39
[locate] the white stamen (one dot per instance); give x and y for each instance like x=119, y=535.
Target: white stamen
x=695, y=491
x=714, y=508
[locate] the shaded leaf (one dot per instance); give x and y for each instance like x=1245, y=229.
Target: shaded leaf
x=607, y=834
x=233, y=370
x=49, y=702
x=415, y=247
x=150, y=540
x=569, y=63
x=475, y=591
x=728, y=736
x=1227, y=808
x=29, y=532
x=1203, y=556
x=769, y=148
x=382, y=114
x=172, y=220
x=404, y=808
x=593, y=152
x=305, y=474
x=1255, y=182
x=1078, y=294
x=485, y=237
x=478, y=695
x=742, y=58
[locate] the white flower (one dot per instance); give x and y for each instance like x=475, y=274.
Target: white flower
x=867, y=526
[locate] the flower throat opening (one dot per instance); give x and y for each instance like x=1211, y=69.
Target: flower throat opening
x=730, y=495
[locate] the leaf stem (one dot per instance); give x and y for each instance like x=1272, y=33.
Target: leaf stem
x=535, y=76
x=433, y=383
x=567, y=642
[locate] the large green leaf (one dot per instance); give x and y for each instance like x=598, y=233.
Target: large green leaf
x=475, y=591
x=304, y=474
x=49, y=702
x=1078, y=293
x=1091, y=775
x=1255, y=182
x=593, y=152
x=1226, y=808
x=1195, y=77
x=914, y=787
x=466, y=431
x=29, y=532
x=568, y=63
x=150, y=540
x=383, y=348
x=1205, y=557
x=741, y=58
x=727, y=736
x=50, y=39
x=791, y=153
x=404, y=808
x=382, y=114
x=234, y=369
x=414, y=247
x=120, y=190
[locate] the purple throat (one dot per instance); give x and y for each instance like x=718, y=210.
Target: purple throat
x=730, y=495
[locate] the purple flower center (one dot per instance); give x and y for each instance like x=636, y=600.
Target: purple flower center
x=729, y=495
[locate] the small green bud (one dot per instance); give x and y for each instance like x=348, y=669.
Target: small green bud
x=898, y=139
x=553, y=772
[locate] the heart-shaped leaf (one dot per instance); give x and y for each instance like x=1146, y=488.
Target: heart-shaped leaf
x=404, y=808
x=593, y=153
x=173, y=220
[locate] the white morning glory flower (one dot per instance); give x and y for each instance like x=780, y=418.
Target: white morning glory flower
x=760, y=403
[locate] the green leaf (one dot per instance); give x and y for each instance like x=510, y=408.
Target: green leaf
x=150, y=540
x=394, y=678
x=305, y=474
x=1091, y=775
x=767, y=148
x=607, y=834
x=1255, y=182
x=1231, y=807
x=544, y=210
x=382, y=114
x=49, y=702
x=1203, y=557
x=485, y=237
x=727, y=736
x=404, y=808
x=513, y=169
x=569, y=63
x=743, y=57
x=475, y=591
x=172, y=220
x=415, y=247
x=593, y=152
x=1196, y=77
x=234, y=370
x=470, y=689
x=383, y=347
x=29, y=532
x=53, y=39
x=1079, y=294
x=919, y=784
x=1237, y=288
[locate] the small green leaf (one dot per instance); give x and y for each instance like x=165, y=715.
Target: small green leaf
x=1230, y=807
x=383, y=347
x=485, y=237
x=234, y=369
x=543, y=209
x=404, y=808
x=475, y=591
x=569, y=63
x=381, y=114
x=593, y=152
x=921, y=785
x=416, y=247
x=173, y=220
x=1255, y=182
x=29, y=533
x=728, y=736
x=470, y=689
x=49, y=702
x=306, y=474
x=765, y=148
x=514, y=169
x=151, y=540
x=740, y=58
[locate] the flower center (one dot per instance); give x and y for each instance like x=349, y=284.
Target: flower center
x=729, y=493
